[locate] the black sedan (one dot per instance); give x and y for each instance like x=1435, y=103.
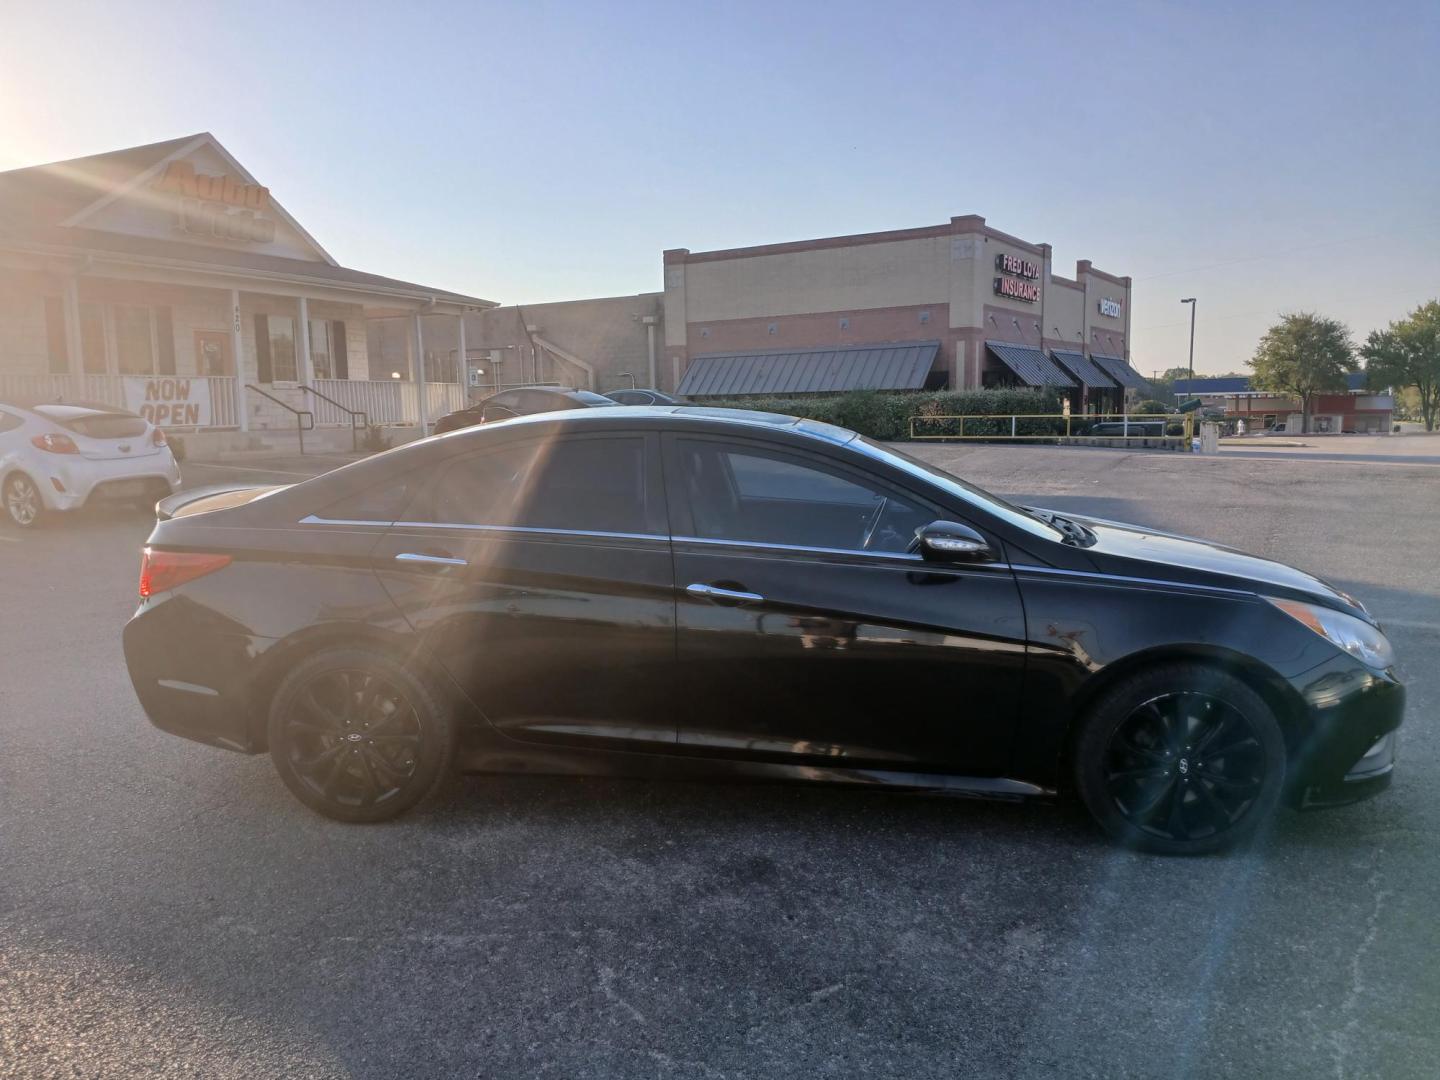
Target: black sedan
x=521, y=401
x=643, y=395
x=689, y=590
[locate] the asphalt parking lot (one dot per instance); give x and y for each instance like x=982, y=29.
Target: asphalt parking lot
x=168, y=909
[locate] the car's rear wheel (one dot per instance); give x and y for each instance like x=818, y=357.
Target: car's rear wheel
x=24, y=505
x=1181, y=759
x=358, y=737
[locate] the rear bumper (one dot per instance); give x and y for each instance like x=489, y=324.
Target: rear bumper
x=68, y=482
x=1348, y=752
x=192, y=677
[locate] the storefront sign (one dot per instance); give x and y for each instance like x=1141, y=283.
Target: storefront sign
x=1110, y=307
x=169, y=401
x=217, y=205
x=1013, y=264
x=1015, y=289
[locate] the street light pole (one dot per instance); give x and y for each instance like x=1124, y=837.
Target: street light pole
x=1191, y=301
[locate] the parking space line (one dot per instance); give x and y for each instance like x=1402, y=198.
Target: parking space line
x=246, y=468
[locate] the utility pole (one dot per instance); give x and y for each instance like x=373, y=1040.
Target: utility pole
x=1191, y=301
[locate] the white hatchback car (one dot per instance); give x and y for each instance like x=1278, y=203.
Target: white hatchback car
x=58, y=457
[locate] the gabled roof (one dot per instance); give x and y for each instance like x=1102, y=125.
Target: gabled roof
x=901, y=365
x=48, y=194
x=45, y=208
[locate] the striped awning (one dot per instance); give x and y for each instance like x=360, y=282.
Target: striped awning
x=1031, y=366
x=896, y=365
x=1121, y=372
x=1083, y=370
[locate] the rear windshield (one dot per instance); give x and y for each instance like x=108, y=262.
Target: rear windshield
x=99, y=425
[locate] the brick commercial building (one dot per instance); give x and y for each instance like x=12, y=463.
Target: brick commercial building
x=1356, y=410
x=986, y=305
x=956, y=305
x=167, y=279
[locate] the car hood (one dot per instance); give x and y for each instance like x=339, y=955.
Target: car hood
x=1133, y=549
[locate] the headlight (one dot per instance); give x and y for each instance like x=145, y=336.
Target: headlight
x=1355, y=636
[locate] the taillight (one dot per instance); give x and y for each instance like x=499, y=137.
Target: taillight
x=157, y=437
x=161, y=571
x=55, y=444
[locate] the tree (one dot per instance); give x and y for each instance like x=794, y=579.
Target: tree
x=1408, y=354
x=1304, y=354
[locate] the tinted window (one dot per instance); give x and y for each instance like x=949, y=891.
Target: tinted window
x=589, y=484
x=384, y=502
x=764, y=497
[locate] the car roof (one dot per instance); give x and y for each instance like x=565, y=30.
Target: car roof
x=683, y=414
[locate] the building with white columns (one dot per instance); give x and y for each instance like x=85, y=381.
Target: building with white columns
x=167, y=279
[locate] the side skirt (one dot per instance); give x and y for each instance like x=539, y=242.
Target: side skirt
x=478, y=757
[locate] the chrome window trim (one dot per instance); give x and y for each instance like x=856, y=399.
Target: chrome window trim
x=903, y=556
x=316, y=519
x=529, y=530
x=1122, y=579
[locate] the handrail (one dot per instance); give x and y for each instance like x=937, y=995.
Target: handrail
x=1186, y=421
x=354, y=432
x=300, y=414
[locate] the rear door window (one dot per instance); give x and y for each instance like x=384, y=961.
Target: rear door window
x=582, y=484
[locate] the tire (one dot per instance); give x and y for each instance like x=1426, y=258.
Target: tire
x=1180, y=759
x=24, y=505
x=357, y=737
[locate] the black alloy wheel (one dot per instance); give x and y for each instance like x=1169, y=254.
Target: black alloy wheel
x=23, y=502
x=1181, y=760
x=359, y=738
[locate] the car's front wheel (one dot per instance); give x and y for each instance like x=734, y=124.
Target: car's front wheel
x=23, y=503
x=1181, y=759
x=358, y=737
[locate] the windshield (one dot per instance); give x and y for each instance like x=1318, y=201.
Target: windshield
x=1017, y=516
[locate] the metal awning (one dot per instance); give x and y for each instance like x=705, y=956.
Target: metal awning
x=1121, y=372
x=900, y=365
x=1083, y=370
x=1031, y=366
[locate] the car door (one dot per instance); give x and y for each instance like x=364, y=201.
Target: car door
x=807, y=633
x=538, y=573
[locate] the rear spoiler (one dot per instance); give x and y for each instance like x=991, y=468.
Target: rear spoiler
x=169, y=506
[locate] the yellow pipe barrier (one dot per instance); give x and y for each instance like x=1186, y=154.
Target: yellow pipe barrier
x=1065, y=424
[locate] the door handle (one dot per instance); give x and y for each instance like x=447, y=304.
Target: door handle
x=432, y=560
x=723, y=596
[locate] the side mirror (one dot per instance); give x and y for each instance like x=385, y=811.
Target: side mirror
x=951, y=542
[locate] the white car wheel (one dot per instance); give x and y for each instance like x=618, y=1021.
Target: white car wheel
x=23, y=502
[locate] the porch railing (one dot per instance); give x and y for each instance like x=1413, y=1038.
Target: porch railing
x=385, y=402
x=128, y=392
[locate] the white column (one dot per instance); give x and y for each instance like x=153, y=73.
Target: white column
x=462, y=369
x=242, y=397
x=306, y=374
x=421, y=404
x=74, y=351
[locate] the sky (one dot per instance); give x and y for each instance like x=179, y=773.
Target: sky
x=1261, y=157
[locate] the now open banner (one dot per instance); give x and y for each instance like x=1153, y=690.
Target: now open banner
x=169, y=400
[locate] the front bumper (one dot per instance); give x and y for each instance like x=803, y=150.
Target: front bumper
x=1346, y=751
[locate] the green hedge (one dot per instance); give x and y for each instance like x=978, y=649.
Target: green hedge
x=887, y=415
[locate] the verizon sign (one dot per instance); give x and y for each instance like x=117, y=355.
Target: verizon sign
x=1110, y=308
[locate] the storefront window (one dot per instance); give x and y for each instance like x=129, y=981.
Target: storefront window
x=321, y=357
